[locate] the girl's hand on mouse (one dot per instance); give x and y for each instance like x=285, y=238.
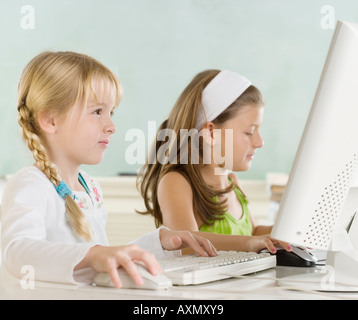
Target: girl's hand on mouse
x=109, y=259
x=175, y=240
x=258, y=243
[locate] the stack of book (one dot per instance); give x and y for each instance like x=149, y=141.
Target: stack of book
x=276, y=183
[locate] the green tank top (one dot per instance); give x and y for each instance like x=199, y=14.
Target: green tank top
x=229, y=225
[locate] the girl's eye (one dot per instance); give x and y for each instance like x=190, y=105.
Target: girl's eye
x=101, y=112
x=249, y=134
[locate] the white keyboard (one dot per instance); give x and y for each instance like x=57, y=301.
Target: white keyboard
x=193, y=269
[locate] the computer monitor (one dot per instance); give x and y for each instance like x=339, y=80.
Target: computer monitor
x=321, y=198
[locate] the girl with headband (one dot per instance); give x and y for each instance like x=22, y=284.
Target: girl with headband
x=190, y=186
x=53, y=216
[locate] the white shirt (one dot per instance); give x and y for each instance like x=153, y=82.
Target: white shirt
x=35, y=232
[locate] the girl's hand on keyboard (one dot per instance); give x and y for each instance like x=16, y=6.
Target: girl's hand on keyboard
x=258, y=243
x=175, y=240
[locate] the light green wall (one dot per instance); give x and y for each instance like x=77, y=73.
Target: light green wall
x=156, y=47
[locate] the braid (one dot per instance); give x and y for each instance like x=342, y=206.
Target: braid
x=33, y=141
x=75, y=216
x=77, y=219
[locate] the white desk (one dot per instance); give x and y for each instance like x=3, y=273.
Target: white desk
x=249, y=288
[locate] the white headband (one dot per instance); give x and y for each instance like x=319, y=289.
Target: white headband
x=220, y=93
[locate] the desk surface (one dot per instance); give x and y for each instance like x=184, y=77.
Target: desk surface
x=259, y=286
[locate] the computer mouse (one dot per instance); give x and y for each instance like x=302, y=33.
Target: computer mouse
x=150, y=282
x=298, y=257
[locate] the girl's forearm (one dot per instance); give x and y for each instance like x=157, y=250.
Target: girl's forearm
x=262, y=230
x=226, y=242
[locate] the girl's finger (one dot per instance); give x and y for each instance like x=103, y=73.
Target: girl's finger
x=151, y=263
x=190, y=241
x=113, y=274
x=208, y=246
x=148, y=259
x=133, y=271
x=269, y=245
x=284, y=245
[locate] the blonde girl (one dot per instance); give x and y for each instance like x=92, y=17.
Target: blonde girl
x=53, y=216
x=200, y=194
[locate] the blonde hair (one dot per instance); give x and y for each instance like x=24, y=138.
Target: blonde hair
x=53, y=82
x=183, y=116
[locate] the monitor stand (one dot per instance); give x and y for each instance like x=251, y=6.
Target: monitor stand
x=340, y=274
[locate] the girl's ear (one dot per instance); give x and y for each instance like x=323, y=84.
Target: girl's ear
x=46, y=122
x=208, y=133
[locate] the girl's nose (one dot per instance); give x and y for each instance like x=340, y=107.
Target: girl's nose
x=110, y=127
x=259, y=142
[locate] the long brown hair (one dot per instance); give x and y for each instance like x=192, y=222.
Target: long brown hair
x=53, y=82
x=183, y=116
